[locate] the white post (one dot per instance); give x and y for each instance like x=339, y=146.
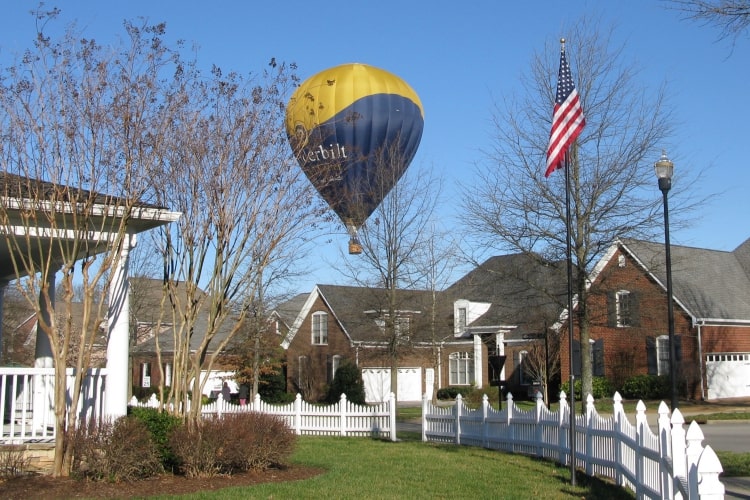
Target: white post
x=298, y=414
x=485, y=411
x=618, y=413
x=44, y=387
x=342, y=414
x=641, y=426
x=588, y=454
x=709, y=468
x=3, y=286
x=457, y=414
x=679, y=458
x=563, y=446
x=665, y=450
x=425, y=407
x=693, y=454
x=118, y=342
x=392, y=416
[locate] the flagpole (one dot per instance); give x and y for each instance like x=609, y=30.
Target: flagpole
x=571, y=323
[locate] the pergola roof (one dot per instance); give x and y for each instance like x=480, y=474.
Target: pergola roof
x=22, y=196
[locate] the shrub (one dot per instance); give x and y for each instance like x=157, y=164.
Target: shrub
x=160, y=424
x=453, y=391
x=13, y=461
x=646, y=387
x=232, y=443
x=119, y=451
x=601, y=388
x=348, y=380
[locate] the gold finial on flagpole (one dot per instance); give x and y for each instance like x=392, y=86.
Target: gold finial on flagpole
x=562, y=45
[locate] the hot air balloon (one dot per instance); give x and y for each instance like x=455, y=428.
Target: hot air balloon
x=354, y=129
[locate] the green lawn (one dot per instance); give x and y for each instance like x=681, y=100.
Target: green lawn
x=367, y=468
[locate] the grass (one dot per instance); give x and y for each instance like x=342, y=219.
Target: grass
x=374, y=469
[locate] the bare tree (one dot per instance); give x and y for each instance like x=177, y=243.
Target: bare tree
x=513, y=208
x=393, y=241
x=77, y=123
x=246, y=213
x=731, y=17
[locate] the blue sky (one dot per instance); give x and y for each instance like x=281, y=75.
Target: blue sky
x=461, y=60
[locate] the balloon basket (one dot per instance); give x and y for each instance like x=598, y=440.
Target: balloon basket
x=355, y=248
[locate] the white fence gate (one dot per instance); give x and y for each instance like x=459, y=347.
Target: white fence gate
x=672, y=464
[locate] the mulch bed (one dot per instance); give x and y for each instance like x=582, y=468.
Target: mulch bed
x=50, y=488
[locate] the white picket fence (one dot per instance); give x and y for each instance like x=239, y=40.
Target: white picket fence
x=670, y=464
x=343, y=418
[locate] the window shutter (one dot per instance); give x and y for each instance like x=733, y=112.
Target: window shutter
x=653, y=367
x=611, y=309
x=576, y=358
x=329, y=369
x=635, y=313
x=678, y=348
x=598, y=358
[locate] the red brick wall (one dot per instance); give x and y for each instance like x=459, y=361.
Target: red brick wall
x=625, y=352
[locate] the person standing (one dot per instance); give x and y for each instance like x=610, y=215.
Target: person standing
x=226, y=392
x=244, y=393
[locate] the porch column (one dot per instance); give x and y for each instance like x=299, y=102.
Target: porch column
x=44, y=387
x=478, y=361
x=118, y=338
x=3, y=286
x=43, y=348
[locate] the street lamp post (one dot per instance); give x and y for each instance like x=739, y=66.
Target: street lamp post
x=664, y=170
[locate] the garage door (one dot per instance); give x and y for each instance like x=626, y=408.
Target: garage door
x=728, y=375
x=378, y=384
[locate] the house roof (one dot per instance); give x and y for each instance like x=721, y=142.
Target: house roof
x=525, y=293
x=523, y=289
x=708, y=284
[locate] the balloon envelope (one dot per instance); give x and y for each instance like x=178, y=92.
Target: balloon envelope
x=354, y=129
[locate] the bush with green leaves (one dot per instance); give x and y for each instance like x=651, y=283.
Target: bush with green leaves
x=452, y=391
x=231, y=443
x=122, y=450
x=348, y=380
x=646, y=387
x=601, y=388
x=160, y=424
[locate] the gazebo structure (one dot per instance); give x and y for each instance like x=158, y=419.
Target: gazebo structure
x=45, y=238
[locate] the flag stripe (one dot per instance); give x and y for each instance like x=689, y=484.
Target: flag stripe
x=567, y=118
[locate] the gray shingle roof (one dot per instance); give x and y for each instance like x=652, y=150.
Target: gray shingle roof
x=711, y=284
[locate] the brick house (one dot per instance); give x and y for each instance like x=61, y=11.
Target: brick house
x=629, y=329
x=502, y=306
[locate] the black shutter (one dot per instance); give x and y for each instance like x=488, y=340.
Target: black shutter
x=598, y=358
x=678, y=348
x=653, y=362
x=576, y=358
x=329, y=369
x=635, y=313
x=611, y=309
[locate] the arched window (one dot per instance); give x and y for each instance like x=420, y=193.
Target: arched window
x=320, y=328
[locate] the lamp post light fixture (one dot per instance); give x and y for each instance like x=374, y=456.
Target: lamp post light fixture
x=664, y=169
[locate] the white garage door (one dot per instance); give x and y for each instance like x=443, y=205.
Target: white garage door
x=378, y=384
x=728, y=375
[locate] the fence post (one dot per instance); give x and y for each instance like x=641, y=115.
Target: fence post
x=618, y=413
x=589, y=452
x=562, y=432
x=342, y=415
x=665, y=451
x=539, y=434
x=640, y=431
x=392, y=416
x=709, y=468
x=257, y=403
x=679, y=459
x=485, y=406
x=693, y=455
x=457, y=413
x=425, y=409
x=298, y=414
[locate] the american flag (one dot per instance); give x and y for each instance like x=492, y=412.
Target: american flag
x=567, y=119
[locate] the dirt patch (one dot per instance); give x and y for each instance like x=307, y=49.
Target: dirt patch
x=49, y=488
